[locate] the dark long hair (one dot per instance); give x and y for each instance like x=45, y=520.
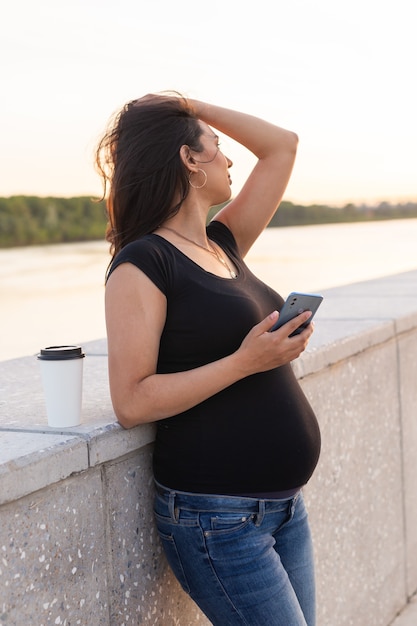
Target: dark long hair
x=138, y=159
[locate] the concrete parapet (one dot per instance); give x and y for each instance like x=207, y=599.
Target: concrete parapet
x=77, y=539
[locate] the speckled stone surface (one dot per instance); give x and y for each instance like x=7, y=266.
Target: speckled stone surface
x=355, y=498
x=53, y=556
x=408, y=616
x=407, y=352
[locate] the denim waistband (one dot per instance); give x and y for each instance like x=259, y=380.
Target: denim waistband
x=216, y=502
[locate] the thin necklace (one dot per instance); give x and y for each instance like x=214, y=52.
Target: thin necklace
x=210, y=249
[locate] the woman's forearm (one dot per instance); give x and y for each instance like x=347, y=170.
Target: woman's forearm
x=159, y=396
x=260, y=137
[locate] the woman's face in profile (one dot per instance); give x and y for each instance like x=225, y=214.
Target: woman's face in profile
x=213, y=161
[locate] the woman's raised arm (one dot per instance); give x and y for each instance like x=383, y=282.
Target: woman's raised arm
x=251, y=210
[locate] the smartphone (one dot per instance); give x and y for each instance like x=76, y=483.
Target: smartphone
x=295, y=304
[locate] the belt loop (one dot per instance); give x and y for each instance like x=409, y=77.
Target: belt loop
x=173, y=510
x=294, y=500
x=293, y=504
x=261, y=512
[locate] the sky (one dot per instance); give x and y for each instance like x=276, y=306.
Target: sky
x=339, y=74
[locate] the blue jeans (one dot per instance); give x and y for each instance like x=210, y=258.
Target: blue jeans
x=244, y=561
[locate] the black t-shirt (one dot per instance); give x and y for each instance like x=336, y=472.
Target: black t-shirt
x=257, y=435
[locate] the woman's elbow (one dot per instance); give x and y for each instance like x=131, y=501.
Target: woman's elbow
x=125, y=422
x=128, y=418
x=292, y=141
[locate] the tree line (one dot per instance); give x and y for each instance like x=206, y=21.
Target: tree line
x=34, y=220
x=290, y=214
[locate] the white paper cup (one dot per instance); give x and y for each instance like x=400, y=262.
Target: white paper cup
x=62, y=379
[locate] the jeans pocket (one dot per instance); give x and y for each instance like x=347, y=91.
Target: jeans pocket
x=171, y=551
x=227, y=523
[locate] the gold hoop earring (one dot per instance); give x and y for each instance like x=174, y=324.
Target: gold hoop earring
x=197, y=186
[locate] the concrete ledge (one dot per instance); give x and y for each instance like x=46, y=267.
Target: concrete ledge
x=337, y=340
x=29, y=463
x=77, y=541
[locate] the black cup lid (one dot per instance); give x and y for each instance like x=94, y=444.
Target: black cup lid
x=59, y=353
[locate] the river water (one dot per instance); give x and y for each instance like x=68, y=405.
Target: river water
x=54, y=294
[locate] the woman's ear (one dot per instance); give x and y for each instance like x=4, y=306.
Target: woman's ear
x=186, y=158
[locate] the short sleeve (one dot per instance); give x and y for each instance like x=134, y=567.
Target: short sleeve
x=150, y=258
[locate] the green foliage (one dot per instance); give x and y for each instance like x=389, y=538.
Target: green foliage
x=290, y=214
x=31, y=220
